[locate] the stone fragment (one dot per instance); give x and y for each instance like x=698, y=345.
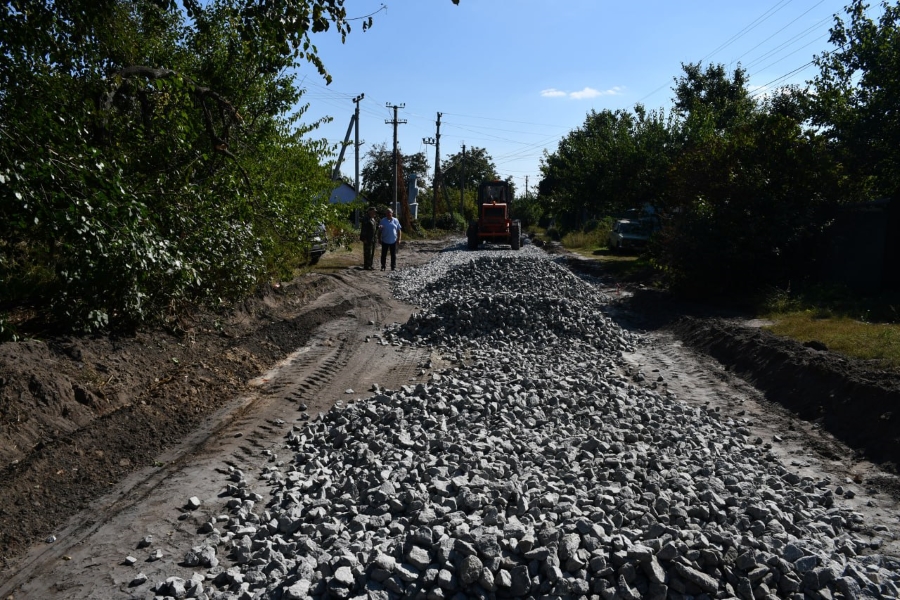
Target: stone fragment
x=698, y=578
x=470, y=570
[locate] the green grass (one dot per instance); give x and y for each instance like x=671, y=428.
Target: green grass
x=342, y=258
x=865, y=327
x=876, y=342
x=584, y=240
x=621, y=267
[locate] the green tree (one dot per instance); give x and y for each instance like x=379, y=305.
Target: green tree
x=528, y=209
x=748, y=191
x=744, y=186
x=469, y=170
x=143, y=153
x=617, y=160
x=712, y=98
x=378, y=172
x=855, y=100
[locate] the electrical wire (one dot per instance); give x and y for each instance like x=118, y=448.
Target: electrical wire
x=753, y=25
x=457, y=128
x=803, y=14
x=786, y=44
x=763, y=89
x=780, y=48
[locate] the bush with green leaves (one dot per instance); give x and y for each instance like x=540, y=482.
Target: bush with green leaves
x=742, y=184
x=450, y=222
x=161, y=166
x=528, y=210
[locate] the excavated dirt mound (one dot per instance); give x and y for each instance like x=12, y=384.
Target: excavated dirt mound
x=78, y=414
x=857, y=404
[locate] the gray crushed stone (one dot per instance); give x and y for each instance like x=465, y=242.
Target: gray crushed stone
x=531, y=468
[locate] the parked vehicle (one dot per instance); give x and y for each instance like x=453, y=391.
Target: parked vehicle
x=318, y=243
x=627, y=235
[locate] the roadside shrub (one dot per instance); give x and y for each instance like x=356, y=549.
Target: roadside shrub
x=450, y=222
x=7, y=331
x=554, y=233
x=583, y=239
x=342, y=235
x=602, y=228
x=779, y=300
x=528, y=210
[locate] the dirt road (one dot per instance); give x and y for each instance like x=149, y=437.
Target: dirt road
x=340, y=359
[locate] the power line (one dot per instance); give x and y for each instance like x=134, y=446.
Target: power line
x=500, y=120
x=756, y=23
x=792, y=53
x=371, y=14
x=788, y=43
x=803, y=14
x=764, y=88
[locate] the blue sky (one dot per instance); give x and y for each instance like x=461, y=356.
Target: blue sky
x=514, y=76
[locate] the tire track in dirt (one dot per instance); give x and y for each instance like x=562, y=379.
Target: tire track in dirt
x=701, y=381
x=346, y=353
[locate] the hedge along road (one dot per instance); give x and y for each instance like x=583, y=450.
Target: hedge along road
x=344, y=359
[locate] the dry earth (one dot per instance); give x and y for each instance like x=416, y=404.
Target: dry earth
x=104, y=439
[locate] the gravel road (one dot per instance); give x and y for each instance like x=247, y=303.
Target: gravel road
x=503, y=438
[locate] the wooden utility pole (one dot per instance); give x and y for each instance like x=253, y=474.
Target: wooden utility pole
x=396, y=122
x=336, y=173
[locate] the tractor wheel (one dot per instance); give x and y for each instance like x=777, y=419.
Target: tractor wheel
x=472, y=236
x=515, y=236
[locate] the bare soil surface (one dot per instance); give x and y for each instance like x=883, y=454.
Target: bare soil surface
x=104, y=439
x=825, y=415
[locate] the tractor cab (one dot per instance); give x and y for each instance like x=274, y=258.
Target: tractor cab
x=494, y=222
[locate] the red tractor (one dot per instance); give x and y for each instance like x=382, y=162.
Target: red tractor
x=494, y=223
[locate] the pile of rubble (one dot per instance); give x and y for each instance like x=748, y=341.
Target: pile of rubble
x=533, y=468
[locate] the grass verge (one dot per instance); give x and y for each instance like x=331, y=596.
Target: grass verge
x=861, y=327
x=866, y=327
x=876, y=342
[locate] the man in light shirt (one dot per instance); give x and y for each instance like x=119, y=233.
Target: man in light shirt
x=389, y=227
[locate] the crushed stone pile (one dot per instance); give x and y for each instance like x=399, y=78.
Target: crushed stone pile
x=533, y=468
x=488, y=298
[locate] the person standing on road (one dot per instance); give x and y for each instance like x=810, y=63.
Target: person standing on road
x=368, y=235
x=390, y=238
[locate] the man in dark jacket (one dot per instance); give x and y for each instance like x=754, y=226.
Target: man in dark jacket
x=368, y=235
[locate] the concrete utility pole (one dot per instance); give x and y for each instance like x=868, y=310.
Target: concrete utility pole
x=526, y=187
x=429, y=141
x=336, y=173
x=396, y=122
x=356, y=143
x=436, y=140
x=462, y=182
